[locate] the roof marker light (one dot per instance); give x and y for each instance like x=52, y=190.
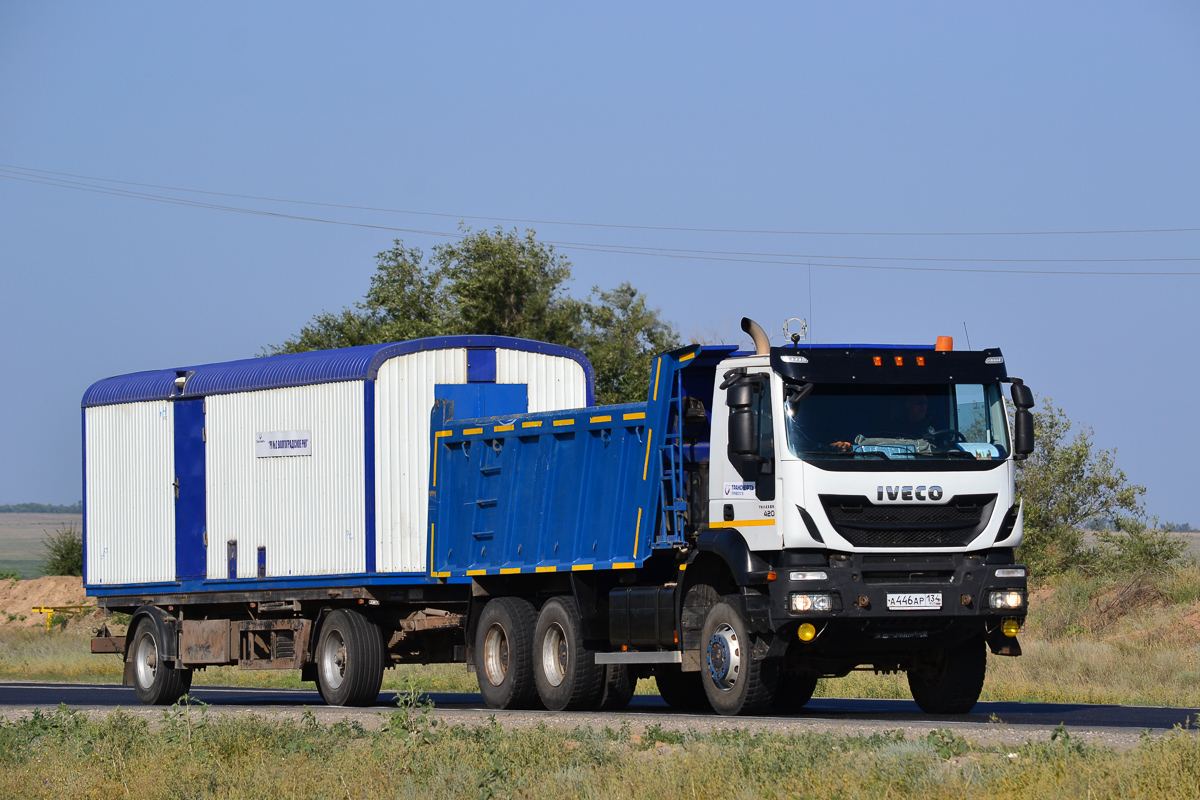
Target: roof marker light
x=944, y=343
x=899, y=361
x=920, y=361
x=878, y=361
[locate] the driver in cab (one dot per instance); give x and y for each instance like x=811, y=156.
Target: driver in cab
x=913, y=422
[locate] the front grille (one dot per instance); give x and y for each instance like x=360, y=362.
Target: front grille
x=953, y=524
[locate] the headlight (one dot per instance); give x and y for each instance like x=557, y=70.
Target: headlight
x=808, y=576
x=811, y=602
x=1006, y=599
x=1010, y=572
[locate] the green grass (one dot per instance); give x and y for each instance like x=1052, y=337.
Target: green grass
x=188, y=754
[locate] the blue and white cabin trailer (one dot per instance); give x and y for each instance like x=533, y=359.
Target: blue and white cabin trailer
x=237, y=509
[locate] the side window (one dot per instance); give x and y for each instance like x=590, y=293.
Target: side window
x=764, y=487
x=751, y=433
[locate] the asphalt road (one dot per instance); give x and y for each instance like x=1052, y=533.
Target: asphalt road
x=1119, y=725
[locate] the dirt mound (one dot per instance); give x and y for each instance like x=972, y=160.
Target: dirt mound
x=18, y=598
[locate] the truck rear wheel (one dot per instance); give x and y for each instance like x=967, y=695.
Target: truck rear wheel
x=619, y=684
x=566, y=673
x=682, y=691
x=504, y=653
x=735, y=682
x=155, y=680
x=349, y=659
x=952, y=683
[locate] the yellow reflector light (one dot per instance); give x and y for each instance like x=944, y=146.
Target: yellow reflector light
x=808, y=632
x=1011, y=628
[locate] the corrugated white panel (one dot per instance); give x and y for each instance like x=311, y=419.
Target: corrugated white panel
x=555, y=382
x=404, y=396
x=130, y=493
x=309, y=511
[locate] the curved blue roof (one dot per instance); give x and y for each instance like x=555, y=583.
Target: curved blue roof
x=302, y=369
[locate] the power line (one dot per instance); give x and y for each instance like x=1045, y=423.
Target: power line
x=701, y=255
x=683, y=229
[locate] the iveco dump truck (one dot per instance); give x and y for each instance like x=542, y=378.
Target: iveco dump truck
x=763, y=520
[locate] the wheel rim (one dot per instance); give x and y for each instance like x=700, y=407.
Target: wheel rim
x=145, y=659
x=495, y=654
x=554, y=655
x=333, y=659
x=724, y=657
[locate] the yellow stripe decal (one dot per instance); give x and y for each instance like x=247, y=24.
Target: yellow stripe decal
x=600, y=419
x=742, y=523
x=536, y=424
x=558, y=422
x=688, y=357
x=657, y=370
x=471, y=431
x=637, y=532
x=624, y=565
x=431, y=548
x=445, y=574
x=580, y=567
x=510, y=570
x=646, y=466
x=636, y=415
x=503, y=428
x=546, y=569
x=683, y=567
x=476, y=572
x=437, y=436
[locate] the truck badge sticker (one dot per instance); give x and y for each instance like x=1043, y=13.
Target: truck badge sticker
x=739, y=490
x=283, y=443
x=909, y=494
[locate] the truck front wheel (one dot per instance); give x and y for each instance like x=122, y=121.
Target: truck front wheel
x=566, y=673
x=503, y=653
x=734, y=681
x=951, y=682
x=349, y=659
x=155, y=680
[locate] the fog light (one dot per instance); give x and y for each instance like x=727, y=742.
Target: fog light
x=811, y=602
x=1006, y=599
x=807, y=632
x=1010, y=627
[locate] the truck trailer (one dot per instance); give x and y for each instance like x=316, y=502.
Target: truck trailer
x=762, y=520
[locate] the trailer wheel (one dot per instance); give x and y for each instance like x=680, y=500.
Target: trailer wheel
x=794, y=692
x=566, y=673
x=504, y=653
x=735, y=682
x=682, y=691
x=953, y=683
x=155, y=680
x=349, y=659
x=619, y=684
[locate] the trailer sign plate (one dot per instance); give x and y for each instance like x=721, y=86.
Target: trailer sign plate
x=283, y=443
x=931, y=601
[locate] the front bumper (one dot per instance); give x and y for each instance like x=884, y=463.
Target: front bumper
x=860, y=622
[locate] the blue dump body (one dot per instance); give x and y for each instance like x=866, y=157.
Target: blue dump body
x=591, y=488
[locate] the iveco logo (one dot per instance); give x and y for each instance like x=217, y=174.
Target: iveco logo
x=910, y=493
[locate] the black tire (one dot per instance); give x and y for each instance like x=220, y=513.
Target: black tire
x=155, y=680
x=566, y=673
x=619, y=684
x=952, y=683
x=682, y=691
x=503, y=653
x=349, y=659
x=735, y=682
x=794, y=692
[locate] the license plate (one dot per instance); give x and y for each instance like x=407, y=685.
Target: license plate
x=931, y=601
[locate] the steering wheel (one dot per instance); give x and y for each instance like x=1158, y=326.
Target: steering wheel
x=948, y=435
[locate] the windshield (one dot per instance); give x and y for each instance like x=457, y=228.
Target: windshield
x=937, y=421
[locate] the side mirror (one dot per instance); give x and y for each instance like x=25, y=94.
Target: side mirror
x=1022, y=395
x=1023, y=433
x=743, y=432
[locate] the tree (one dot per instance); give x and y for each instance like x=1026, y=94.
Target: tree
x=501, y=283
x=64, y=551
x=1066, y=483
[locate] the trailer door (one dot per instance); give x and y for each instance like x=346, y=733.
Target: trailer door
x=190, y=555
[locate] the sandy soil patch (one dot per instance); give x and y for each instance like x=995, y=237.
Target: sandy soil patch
x=17, y=599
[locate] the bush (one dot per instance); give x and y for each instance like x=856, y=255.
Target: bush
x=64, y=551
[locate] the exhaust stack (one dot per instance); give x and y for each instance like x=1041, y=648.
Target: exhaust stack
x=762, y=344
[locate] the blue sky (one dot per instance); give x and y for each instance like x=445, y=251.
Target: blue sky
x=786, y=117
